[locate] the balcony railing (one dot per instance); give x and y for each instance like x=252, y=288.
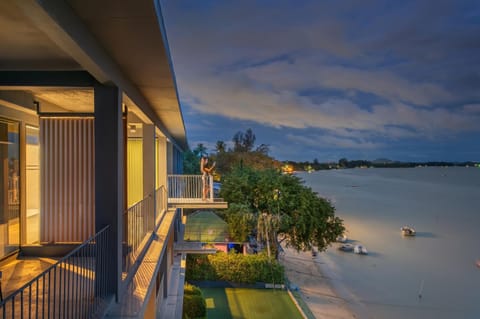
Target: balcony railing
x=190, y=187
x=161, y=203
x=139, y=220
x=74, y=287
x=193, y=191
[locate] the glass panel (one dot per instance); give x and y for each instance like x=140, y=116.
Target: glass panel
x=9, y=187
x=32, y=179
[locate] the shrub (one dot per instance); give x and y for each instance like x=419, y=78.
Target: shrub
x=189, y=289
x=194, y=306
x=234, y=267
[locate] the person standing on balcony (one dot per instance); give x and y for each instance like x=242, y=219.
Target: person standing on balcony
x=206, y=175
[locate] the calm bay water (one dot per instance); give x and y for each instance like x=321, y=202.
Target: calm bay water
x=442, y=204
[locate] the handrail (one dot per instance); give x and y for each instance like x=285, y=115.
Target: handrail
x=161, y=203
x=76, y=286
x=190, y=186
x=139, y=220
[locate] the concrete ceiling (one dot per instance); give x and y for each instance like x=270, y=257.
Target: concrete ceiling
x=117, y=41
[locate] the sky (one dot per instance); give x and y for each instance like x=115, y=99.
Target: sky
x=331, y=79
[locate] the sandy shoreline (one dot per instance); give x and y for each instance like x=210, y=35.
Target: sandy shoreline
x=325, y=295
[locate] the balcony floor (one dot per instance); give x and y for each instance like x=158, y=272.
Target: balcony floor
x=17, y=272
x=197, y=203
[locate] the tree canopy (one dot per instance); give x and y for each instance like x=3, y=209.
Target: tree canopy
x=286, y=210
x=277, y=208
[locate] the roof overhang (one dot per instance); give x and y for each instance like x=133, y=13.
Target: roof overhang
x=118, y=42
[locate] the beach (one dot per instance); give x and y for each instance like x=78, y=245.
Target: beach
x=322, y=291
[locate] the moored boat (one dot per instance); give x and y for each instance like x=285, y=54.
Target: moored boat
x=345, y=247
x=408, y=231
x=361, y=250
x=342, y=239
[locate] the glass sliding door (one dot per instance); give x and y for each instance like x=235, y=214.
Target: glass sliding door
x=9, y=187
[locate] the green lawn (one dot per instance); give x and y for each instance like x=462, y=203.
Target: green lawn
x=242, y=303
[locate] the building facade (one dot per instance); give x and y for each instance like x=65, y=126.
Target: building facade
x=90, y=131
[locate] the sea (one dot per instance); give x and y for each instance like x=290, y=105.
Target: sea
x=431, y=275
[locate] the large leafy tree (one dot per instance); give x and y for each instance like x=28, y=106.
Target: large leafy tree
x=243, y=154
x=285, y=209
x=191, y=159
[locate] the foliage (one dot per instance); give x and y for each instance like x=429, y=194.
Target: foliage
x=189, y=289
x=243, y=154
x=191, y=159
x=234, y=267
x=240, y=221
x=243, y=142
x=286, y=210
x=194, y=306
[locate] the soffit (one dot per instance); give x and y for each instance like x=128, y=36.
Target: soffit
x=129, y=32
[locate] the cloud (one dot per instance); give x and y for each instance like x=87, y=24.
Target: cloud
x=363, y=74
x=379, y=82
x=472, y=108
x=329, y=141
x=243, y=98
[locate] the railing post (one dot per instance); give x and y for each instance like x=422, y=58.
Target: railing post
x=210, y=177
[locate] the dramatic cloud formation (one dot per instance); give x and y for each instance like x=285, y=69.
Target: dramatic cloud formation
x=331, y=78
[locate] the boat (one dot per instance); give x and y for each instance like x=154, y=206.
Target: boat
x=342, y=239
x=408, y=231
x=361, y=250
x=345, y=247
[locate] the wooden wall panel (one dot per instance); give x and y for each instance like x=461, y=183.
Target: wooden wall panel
x=67, y=179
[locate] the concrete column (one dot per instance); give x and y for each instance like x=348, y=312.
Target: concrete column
x=162, y=161
x=110, y=178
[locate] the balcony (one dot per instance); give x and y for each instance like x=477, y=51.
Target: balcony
x=75, y=286
x=187, y=191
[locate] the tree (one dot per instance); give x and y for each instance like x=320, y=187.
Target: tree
x=240, y=221
x=343, y=162
x=200, y=150
x=286, y=210
x=220, y=147
x=243, y=154
x=248, y=140
x=243, y=142
x=191, y=159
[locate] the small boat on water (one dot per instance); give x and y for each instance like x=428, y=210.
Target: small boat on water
x=408, y=231
x=342, y=239
x=361, y=250
x=345, y=247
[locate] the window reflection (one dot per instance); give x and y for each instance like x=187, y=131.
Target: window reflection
x=9, y=187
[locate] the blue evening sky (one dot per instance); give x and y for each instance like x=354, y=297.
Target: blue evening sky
x=331, y=79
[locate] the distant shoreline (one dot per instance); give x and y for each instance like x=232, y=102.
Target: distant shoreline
x=310, y=167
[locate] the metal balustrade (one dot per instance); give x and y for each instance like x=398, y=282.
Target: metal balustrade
x=139, y=220
x=74, y=287
x=161, y=203
x=189, y=187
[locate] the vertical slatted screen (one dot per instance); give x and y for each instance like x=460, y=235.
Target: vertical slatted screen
x=67, y=179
